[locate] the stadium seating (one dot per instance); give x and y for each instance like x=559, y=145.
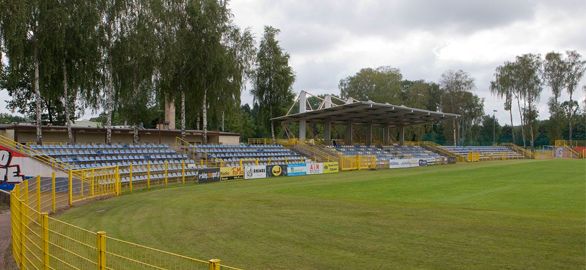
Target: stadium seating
x=392, y=152
x=141, y=156
x=232, y=155
x=486, y=152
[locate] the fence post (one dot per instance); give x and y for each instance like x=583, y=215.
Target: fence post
x=93, y=182
x=118, y=186
x=70, y=176
x=22, y=229
x=53, y=199
x=82, y=178
x=214, y=264
x=166, y=174
x=149, y=175
x=45, y=233
x=183, y=171
x=130, y=178
x=39, y=195
x=101, y=247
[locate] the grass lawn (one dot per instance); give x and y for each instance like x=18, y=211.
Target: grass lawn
x=488, y=215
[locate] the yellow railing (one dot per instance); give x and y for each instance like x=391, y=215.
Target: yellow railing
x=573, y=143
x=526, y=153
x=358, y=162
x=473, y=157
x=286, y=142
x=41, y=241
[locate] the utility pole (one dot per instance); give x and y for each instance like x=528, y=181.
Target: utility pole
x=493, y=127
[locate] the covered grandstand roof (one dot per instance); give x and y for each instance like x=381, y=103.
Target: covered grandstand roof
x=368, y=112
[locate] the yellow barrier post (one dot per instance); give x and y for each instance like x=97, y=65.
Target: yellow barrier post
x=117, y=186
x=256, y=162
x=38, y=194
x=92, y=184
x=53, y=199
x=149, y=175
x=22, y=229
x=183, y=171
x=166, y=172
x=214, y=264
x=101, y=247
x=70, y=188
x=130, y=178
x=82, y=178
x=45, y=236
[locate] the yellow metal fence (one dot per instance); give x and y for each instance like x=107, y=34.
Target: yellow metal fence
x=41, y=241
x=348, y=163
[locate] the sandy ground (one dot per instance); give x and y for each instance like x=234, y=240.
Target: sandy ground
x=5, y=256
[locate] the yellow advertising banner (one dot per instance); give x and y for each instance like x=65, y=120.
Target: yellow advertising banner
x=231, y=172
x=331, y=167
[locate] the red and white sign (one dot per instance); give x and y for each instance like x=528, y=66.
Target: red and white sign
x=315, y=168
x=10, y=163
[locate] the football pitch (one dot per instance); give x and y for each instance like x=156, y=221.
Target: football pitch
x=523, y=214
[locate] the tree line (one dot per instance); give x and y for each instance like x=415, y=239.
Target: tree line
x=521, y=82
x=127, y=58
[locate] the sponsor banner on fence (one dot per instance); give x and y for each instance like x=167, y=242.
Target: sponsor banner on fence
x=255, y=172
x=276, y=170
x=296, y=169
x=403, y=163
x=331, y=167
x=423, y=162
x=208, y=175
x=314, y=168
x=231, y=172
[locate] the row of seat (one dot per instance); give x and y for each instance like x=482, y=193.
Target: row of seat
x=486, y=152
x=233, y=155
x=99, y=146
x=391, y=152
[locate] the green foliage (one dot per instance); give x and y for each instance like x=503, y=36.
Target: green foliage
x=272, y=80
x=500, y=214
x=379, y=85
x=6, y=118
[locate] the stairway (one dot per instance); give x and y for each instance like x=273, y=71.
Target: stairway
x=316, y=152
x=434, y=147
x=526, y=153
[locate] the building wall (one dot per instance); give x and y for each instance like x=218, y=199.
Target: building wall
x=225, y=139
x=121, y=137
x=89, y=138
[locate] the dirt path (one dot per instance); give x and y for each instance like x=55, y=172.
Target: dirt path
x=5, y=239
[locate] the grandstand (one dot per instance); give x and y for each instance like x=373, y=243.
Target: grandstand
x=485, y=152
x=154, y=159
x=245, y=154
x=392, y=152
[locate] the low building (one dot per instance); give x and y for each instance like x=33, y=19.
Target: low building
x=26, y=134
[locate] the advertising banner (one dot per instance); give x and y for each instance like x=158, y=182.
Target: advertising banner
x=296, y=169
x=231, y=172
x=276, y=170
x=403, y=163
x=208, y=175
x=255, y=172
x=314, y=168
x=331, y=167
x=423, y=162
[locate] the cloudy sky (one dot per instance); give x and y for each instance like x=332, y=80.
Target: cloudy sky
x=331, y=39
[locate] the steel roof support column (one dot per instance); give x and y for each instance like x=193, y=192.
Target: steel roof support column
x=369, y=135
x=402, y=137
x=328, y=132
x=302, y=109
x=349, y=133
x=385, y=135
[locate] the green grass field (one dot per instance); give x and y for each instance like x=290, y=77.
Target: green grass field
x=489, y=215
